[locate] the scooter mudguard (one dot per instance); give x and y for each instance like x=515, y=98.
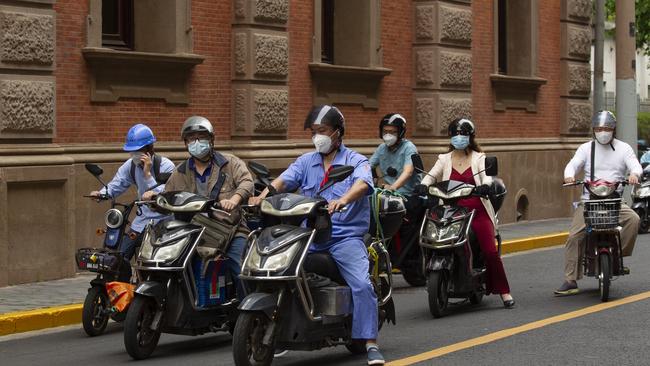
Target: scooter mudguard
x=260, y=301
x=155, y=290
x=438, y=263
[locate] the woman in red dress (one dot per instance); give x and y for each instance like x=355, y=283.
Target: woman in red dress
x=462, y=163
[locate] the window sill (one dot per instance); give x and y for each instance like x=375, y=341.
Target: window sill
x=516, y=92
x=336, y=84
x=119, y=74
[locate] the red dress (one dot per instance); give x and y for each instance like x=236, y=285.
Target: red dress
x=496, y=283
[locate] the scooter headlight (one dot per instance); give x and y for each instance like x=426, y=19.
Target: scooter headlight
x=113, y=218
x=274, y=262
x=450, y=232
x=430, y=231
x=170, y=252
x=146, y=248
x=643, y=191
x=602, y=190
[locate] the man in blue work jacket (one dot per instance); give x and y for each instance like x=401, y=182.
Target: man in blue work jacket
x=139, y=170
x=309, y=173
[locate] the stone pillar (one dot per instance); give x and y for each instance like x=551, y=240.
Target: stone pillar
x=33, y=211
x=260, y=92
x=442, y=65
x=575, y=80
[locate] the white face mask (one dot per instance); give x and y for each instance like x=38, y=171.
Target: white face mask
x=389, y=139
x=604, y=137
x=322, y=143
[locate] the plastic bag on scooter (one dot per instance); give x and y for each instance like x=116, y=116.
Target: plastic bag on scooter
x=120, y=294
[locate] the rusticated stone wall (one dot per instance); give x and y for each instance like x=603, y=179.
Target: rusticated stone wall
x=575, y=72
x=442, y=65
x=27, y=53
x=260, y=69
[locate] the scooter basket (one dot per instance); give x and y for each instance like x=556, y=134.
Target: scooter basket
x=602, y=215
x=213, y=283
x=99, y=260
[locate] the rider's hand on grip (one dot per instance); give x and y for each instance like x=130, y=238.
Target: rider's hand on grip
x=421, y=189
x=483, y=190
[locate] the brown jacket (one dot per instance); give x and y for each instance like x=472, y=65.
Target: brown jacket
x=236, y=179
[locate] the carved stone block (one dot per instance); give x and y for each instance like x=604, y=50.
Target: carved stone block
x=575, y=42
x=575, y=79
x=27, y=107
x=575, y=116
x=438, y=68
x=260, y=55
x=274, y=13
x=27, y=39
x=434, y=111
x=443, y=23
x=576, y=11
x=260, y=110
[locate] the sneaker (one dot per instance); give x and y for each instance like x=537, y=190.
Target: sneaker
x=280, y=353
x=568, y=288
x=626, y=271
x=374, y=356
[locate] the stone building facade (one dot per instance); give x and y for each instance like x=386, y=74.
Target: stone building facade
x=68, y=94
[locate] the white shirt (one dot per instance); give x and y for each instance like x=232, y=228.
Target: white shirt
x=610, y=165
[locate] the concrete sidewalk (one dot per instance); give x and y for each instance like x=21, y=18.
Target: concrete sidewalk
x=54, y=303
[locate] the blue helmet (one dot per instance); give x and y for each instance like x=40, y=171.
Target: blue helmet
x=138, y=137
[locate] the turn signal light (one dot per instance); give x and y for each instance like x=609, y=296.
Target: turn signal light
x=100, y=231
x=133, y=235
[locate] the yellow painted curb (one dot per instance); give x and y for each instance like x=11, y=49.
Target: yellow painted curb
x=533, y=242
x=25, y=321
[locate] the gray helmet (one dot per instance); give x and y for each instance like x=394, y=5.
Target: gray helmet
x=603, y=119
x=196, y=124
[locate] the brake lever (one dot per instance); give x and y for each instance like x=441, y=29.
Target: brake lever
x=214, y=209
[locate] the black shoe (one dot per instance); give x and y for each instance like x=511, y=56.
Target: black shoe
x=509, y=304
x=568, y=288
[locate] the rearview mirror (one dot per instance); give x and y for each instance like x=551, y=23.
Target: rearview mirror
x=644, y=165
x=491, y=166
x=417, y=162
x=94, y=169
x=259, y=169
x=340, y=173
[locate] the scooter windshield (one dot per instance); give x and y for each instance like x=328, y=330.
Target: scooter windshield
x=451, y=189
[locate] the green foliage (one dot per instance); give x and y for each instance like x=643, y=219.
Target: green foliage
x=643, y=124
x=642, y=22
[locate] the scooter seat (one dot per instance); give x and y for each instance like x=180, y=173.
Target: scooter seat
x=323, y=264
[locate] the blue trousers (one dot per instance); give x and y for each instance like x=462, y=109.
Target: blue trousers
x=233, y=263
x=351, y=256
x=127, y=248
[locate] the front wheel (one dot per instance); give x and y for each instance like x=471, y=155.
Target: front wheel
x=604, y=276
x=437, y=286
x=247, y=347
x=644, y=224
x=414, y=275
x=139, y=339
x=94, y=316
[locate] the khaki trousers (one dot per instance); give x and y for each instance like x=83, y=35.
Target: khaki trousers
x=575, y=244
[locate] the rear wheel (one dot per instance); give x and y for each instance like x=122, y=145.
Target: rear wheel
x=95, y=313
x=356, y=346
x=414, y=274
x=247, y=347
x=644, y=224
x=139, y=339
x=604, y=276
x=476, y=298
x=437, y=286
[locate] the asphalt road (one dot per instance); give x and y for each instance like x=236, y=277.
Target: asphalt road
x=618, y=335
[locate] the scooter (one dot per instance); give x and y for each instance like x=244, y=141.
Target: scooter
x=184, y=287
x=454, y=266
x=296, y=300
x=603, y=255
x=401, y=232
x=108, y=262
x=641, y=201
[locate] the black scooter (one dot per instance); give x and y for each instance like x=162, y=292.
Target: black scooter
x=180, y=290
x=108, y=262
x=641, y=201
x=452, y=254
x=298, y=301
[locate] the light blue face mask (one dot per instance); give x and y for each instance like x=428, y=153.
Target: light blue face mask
x=460, y=142
x=199, y=148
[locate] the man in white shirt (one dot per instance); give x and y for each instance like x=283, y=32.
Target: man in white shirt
x=613, y=159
